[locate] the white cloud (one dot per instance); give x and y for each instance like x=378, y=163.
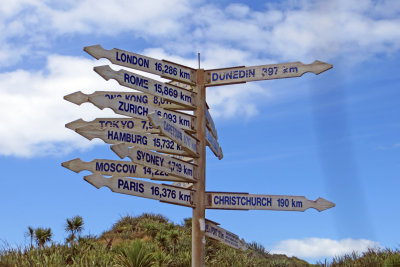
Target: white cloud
x=34, y=111
x=236, y=101
x=309, y=30
x=315, y=248
x=155, y=17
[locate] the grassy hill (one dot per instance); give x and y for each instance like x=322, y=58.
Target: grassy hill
x=151, y=240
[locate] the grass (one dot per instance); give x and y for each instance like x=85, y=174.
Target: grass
x=151, y=240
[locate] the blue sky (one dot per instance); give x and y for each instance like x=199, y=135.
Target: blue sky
x=335, y=135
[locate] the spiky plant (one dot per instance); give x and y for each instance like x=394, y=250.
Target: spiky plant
x=136, y=255
x=74, y=226
x=42, y=235
x=31, y=234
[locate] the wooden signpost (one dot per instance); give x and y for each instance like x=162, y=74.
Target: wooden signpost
x=264, y=72
x=127, y=124
x=119, y=168
x=215, y=232
x=157, y=161
x=143, y=140
x=178, y=135
x=210, y=123
x=142, y=98
x=141, y=111
x=147, y=85
x=244, y=201
x=165, y=69
x=156, y=125
x=213, y=144
x=163, y=193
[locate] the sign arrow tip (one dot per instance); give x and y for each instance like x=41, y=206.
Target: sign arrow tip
x=94, y=50
x=320, y=66
x=104, y=71
x=73, y=165
x=77, y=98
x=73, y=125
x=95, y=180
x=87, y=133
x=121, y=150
x=323, y=204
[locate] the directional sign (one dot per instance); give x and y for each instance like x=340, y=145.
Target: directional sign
x=243, y=201
x=126, y=124
x=118, y=168
x=183, y=184
x=183, y=158
x=213, y=145
x=210, y=122
x=163, y=193
x=148, y=141
x=142, y=98
x=127, y=108
x=186, y=141
x=215, y=232
x=170, y=165
x=163, y=68
x=182, y=85
x=263, y=72
x=147, y=85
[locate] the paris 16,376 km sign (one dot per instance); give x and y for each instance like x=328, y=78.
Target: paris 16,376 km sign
x=166, y=127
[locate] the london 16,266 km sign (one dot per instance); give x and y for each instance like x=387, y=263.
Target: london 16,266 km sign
x=163, y=143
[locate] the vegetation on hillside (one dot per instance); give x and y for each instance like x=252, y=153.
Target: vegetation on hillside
x=151, y=240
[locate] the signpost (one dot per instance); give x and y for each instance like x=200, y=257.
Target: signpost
x=210, y=123
x=147, y=85
x=213, y=144
x=183, y=184
x=264, y=72
x=215, y=232
x=185, y=134
x=186, y=141
x=157, y=161
x=127, y=124
x=119, y=168
x=141, y=111
x=163, y=193
x=147, y=99
x=244, y=201
x=165, y=69
x=148, y=141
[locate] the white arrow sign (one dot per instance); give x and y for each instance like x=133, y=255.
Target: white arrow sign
x=182, y=85
x=118, y=168
x=142, y=98
x=210, y=122
x=147, y=85
x=183, y=184
x=263, y=72
x=127, y=108
x=243, y=201
x=157, y=161
x=163, y=193
x=126, y=124
x=148, y=141
x=186, y=141
x=215, y=232
x=213, y=145
x=163, y=68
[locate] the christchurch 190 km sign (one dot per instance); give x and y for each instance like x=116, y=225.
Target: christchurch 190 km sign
x=164, y=133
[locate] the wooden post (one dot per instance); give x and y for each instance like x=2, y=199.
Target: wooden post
x=198, y=218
